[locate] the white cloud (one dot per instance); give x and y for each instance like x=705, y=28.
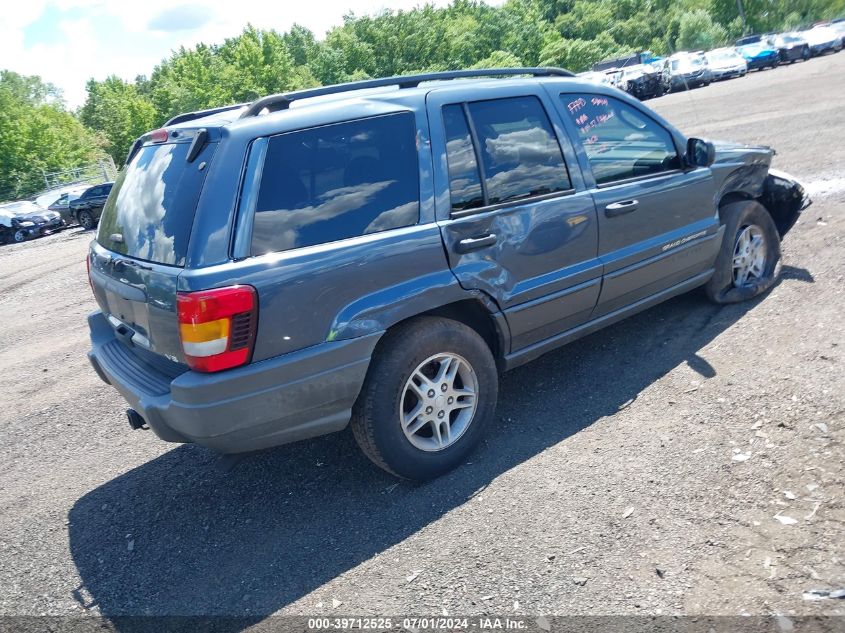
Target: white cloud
x=81, y=52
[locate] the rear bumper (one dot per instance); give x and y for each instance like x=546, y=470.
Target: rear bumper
x=271, y=402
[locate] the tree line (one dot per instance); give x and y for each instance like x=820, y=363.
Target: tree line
x=37, y=132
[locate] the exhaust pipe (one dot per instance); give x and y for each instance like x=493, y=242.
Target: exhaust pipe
x=135, y=420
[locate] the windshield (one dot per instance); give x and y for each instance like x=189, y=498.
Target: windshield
x=687, y=63
x=151, y=208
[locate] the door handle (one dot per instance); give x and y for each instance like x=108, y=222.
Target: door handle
x=474, y=243
x=621, y=208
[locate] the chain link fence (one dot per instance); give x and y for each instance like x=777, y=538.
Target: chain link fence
x=95, y=173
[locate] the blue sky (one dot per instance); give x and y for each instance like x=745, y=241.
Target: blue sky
x=67, y=42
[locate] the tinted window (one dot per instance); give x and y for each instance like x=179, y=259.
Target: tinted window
x=153, y=209
x=336, y=182
x=519, y=152
x=464, y=181
x=620, y=141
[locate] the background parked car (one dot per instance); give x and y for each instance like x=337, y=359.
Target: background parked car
x=758, y=53
x=838, y=25
x=616, y=63
x=86, y=209
x=20, y=221
x=684, y=71
x=791, y=47
x=726, y=63
x=642, y=81
x=62, y=204
x=595, y=77
x=823, y=39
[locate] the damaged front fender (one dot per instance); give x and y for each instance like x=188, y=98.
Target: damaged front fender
x=784, y=197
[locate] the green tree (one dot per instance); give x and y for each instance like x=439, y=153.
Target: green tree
x=301, y=45
x=30, y=89
x=37, y=134
x=697, y=31
x=576, y=55
x=498, y=59
x=118, y=110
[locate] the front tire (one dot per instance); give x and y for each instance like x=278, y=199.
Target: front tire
x=747, y=262
x=428, y=398
x=19, y=236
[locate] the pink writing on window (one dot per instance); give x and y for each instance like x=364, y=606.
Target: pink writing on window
x=576, y=105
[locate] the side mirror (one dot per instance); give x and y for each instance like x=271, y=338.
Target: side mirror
x=700, y=153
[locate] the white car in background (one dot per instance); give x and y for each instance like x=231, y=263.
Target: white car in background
x=22, y=220
x=726, y=63
x=822, y=39
x=601, y=77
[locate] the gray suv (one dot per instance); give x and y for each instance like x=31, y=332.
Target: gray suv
x=373, y=254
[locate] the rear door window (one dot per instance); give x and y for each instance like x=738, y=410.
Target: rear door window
x=336, y=182
x=520, y=155
x=152, y=210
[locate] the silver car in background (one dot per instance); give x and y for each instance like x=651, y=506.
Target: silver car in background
x=726, y=63
x=823, y=39
x=685, y=71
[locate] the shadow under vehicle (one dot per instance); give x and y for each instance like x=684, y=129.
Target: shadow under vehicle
x=246, y=543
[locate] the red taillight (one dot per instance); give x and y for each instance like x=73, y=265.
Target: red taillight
x=217, y=327
x=158, y=136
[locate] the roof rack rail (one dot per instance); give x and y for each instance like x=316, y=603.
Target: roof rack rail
x=190, y=116
x=282, y=101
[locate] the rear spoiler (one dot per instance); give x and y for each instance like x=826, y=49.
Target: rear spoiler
x=182, y=118
x=198, y=139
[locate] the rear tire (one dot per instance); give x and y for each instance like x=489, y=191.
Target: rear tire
x=86, y=220
x=742, y=220
x=19, y=236
x=409, y=435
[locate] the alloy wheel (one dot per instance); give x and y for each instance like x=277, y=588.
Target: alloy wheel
x=749, y=257
x=438, y=402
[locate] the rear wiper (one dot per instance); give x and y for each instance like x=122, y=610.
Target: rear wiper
x=120, y=261
x=200, y=139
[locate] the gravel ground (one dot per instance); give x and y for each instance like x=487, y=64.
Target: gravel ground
x=648, y=468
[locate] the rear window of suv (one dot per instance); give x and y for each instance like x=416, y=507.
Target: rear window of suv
x=336, y=182
x=152, y=204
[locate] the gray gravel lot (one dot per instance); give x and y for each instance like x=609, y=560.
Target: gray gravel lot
x=639, y=470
